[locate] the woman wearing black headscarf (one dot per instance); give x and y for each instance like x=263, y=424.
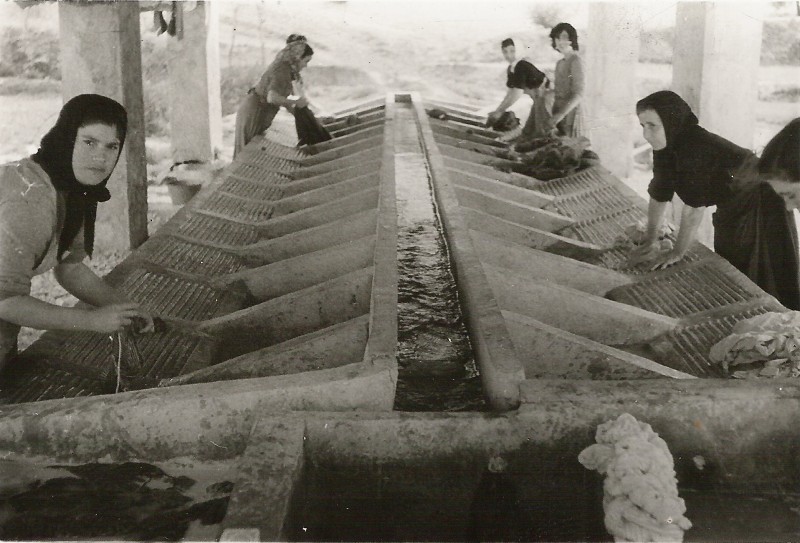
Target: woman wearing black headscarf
x=48, y=207
x=688, y=161
x=752, y=230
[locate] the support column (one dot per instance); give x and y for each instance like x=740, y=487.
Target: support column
x=609, y=102
x=715, y=69
x=101, y=53
x=194, y=76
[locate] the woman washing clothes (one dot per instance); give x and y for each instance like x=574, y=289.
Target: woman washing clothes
x=753, y=227
x=522, y=77
x=48, y=205
x=756, y=230
x=569, y=81
x=263, y=101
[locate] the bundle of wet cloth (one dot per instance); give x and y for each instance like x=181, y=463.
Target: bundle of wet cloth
x=640, y=492
x=550, y=157
x=764, y=346
x=634, y=235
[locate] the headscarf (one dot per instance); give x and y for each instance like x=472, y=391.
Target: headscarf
x=55, y=158
x=674, y=112
x=293, y=51
x=677, y=118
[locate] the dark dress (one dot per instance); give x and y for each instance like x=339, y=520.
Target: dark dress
x=752, y=228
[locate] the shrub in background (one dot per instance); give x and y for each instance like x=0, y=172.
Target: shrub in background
x=31, y=54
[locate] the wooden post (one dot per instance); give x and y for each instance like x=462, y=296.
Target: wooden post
x=101, y=53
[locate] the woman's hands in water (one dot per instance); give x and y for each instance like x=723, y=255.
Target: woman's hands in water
x=114, y=317
x=644, y=252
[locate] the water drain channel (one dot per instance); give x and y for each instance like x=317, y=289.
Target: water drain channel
x=437, y=370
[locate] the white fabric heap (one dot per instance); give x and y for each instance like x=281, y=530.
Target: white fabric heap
x=640, y=492
x=766, y=345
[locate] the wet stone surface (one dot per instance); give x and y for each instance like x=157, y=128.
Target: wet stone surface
x=127, y=501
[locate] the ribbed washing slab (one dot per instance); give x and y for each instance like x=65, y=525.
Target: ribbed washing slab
x=215, y=230
x=250, y=189
x=588, y=179
x=617, y=259
x=685, y=292
x=39, y=381
x=272, y=148
x=604, y=230
x=686, y=349
x=237, y=208
x=170, y=296
x=177, y=254
x=583, y=205
x=259, y=165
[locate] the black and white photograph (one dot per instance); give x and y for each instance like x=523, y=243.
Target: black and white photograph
x=400, y=270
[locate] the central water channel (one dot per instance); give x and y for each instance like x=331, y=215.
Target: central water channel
x=437, y=370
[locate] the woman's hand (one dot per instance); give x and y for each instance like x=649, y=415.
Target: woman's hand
x=112, y=318
x=665, y=261
x=645, y=252
x=301, y=102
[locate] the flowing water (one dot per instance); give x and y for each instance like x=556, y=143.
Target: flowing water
x=437, y=369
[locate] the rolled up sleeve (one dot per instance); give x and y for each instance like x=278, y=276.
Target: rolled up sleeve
x=661, y=189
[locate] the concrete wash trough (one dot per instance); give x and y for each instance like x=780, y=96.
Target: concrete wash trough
x=538, y=271
x=284, y=268
x=280, y=298
x=409, y=477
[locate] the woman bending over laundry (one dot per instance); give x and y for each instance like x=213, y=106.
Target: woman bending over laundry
x=262, y=102
x=688, y=161
x=48, y=205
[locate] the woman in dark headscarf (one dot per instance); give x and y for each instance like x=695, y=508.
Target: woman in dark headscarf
x=751, y=228
x=688, y=161
x=48, y=206
x=756, y=230
x=263, y=101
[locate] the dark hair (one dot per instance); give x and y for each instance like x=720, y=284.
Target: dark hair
x=295, y=37
x=508, y=42
x=782, y=153
x=571, y=32
x=307, y=52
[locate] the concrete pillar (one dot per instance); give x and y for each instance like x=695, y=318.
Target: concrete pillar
x=195, y=110
x=715, y=69
x=611, y=56
x=100, y=53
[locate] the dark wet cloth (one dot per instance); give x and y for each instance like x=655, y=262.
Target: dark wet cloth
x=754, y=232
x=309, y=129
x=524, y=75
